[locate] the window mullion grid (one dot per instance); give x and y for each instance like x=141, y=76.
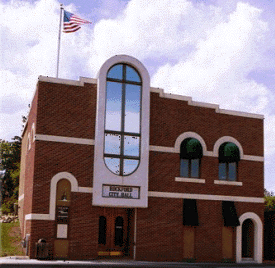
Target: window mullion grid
x=122, y=119
x=189, y=167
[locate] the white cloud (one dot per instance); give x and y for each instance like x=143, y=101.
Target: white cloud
x=217, y=70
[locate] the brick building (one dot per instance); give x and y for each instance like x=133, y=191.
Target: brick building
x=113, y=167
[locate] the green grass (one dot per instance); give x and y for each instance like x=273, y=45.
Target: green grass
x=10, y=240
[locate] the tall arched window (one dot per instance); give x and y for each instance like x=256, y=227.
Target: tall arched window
x=122, y=120
x=229, y=156
x=190, y=158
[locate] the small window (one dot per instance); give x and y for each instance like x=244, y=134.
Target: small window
x=229, y=156
x=102, y=231
x=190, y=158
x=119, y=232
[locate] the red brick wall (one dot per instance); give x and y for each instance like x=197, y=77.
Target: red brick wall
x=164, y=167
x=169, y=118
x=160, y=229
x=55, y=157
x=65, y=110
x=27, y=166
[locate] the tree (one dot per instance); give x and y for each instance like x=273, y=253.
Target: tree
x=269, y=200
x=10, y=161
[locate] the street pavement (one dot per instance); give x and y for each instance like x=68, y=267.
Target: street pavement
x=13, y=262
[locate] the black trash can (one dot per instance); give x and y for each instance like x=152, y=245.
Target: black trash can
x=42, y=249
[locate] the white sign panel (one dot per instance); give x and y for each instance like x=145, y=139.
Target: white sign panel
x=117, y=191
x=62, y=230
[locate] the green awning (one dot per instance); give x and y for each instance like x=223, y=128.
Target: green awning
x=191, y=148
x=229, y=214
x=190, y=212
x=229, y=152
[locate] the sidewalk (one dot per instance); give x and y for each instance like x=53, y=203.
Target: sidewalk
x=22, y=261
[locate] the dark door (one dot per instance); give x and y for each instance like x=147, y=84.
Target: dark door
x=248, y=239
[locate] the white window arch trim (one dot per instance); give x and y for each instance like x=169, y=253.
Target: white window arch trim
x=55, y=179
x=102, y=175
x=258, y=237
x=224, y=139
x=187, y=135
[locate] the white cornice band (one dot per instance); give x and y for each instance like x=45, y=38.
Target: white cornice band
x=50, y=216
x=207, y=197
x=216, y=107
x=42, y=137
x=55, y=80
x=161, y=149
x=160, y=91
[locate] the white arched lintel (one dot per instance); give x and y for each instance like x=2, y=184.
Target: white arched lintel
x=224, y=139
x=59, y=176
x=258, y=237
x=190, y=134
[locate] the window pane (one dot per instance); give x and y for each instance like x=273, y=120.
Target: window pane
x=184, y=163
x=113, y=164
x=113, y=106
x=132, y=108
x=112, y=144
x=132, y=75
x=232, y=171
x=119, y=231
x=131, y=145
x=195, y=165
x=115, y=72
x=129, y=166
x=222, y=171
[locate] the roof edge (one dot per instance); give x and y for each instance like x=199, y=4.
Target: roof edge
x=216, y=107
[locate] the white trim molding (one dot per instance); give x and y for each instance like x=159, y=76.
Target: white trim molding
x=154, y=148
x=52, y=138
x=235, y=183
x=160, y=91
x=258, y=238
x=216, y=107
x=74, y=188
x=206, y=197
x=194, y=180
x=186, y=135
x=80, y=82
x=85, y=190
x=224, y=139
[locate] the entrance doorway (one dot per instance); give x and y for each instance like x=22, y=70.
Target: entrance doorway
x=248, y=239
x=114, y=232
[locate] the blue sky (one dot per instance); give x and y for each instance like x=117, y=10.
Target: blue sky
x=218, y=51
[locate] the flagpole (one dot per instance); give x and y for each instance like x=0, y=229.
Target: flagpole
x=59, y=38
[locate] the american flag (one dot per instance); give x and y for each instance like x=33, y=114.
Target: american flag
x=72, y=22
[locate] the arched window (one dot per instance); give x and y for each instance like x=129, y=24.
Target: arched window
x=190, y=158
x=122, y=120
x=229, y=156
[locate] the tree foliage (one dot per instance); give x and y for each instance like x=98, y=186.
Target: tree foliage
x=269, y=201
x=10, y=161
